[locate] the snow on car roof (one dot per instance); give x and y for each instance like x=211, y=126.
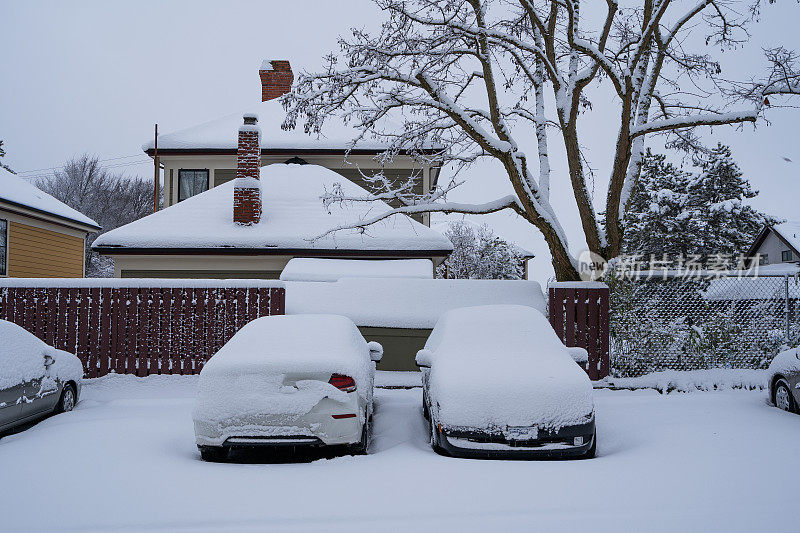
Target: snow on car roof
x=406, y=303
x=315, y=269
x=18, y=191
x=497, y=366
x=293, y=216
x=304, y=343
x=22, y=358
x=221, y=133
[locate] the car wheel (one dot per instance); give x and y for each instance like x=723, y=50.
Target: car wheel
x=783, y=396
x=361, y=447
x=67, y=401
x=591, y=452
x=213, y=454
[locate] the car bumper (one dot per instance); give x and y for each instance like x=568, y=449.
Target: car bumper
x=316, y=428
x=554, y=444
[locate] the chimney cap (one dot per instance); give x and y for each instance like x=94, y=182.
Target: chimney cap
x=250, y=118
x=277, y=65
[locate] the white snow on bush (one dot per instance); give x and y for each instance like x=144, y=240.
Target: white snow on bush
x=22, y=358
x=315, y=269
x=692, y=380
x=406, y=303
x=785, y=363
x=502, y=365
x=246, y=376
x=293, y=217
x=17, y=190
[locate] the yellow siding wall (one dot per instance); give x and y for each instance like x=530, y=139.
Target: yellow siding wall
x=40, y=253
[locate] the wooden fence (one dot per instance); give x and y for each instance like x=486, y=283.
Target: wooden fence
x=579, y=314
x=139, y=329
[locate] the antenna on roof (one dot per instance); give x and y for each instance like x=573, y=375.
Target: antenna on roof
x=156, y=177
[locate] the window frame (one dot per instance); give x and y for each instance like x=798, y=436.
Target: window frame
x=7, y=246
x=786, y=256
x=181, y=171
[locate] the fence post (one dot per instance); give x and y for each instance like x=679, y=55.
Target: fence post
x=579, y=313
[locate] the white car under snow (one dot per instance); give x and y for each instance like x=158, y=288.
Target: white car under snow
x=296, y=381
x=497, y=382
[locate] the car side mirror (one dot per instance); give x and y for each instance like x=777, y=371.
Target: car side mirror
x=48, y=360
x=375, y=351
x=579, y=355
x=424, y=358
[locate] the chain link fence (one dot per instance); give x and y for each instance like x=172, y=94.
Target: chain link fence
x=661, y=321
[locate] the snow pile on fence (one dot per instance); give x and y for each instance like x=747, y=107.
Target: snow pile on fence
x=692, y=380
x=246, y=377
x=22, y=358
x=314, y=269
x=502, y=365
x=406, y=303
x=18, y=191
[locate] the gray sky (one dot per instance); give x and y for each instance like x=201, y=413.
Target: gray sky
x=94, y=76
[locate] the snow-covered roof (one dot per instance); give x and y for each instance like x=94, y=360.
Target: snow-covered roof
x=790, y=231
x=16, y=190
x=406, y=303
x=221, y=134
x=293, y=216
x=765, y=288
x=315, y=269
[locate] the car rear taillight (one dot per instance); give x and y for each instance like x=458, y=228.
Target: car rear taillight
x=342, y=382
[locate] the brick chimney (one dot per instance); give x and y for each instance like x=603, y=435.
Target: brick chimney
x=275, y=81
x=247, y=188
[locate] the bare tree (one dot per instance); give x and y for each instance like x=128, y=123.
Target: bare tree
x=2, y=155
x=110, y=199
x=470, y=76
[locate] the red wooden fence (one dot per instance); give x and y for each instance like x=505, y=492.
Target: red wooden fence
x=139, y=329
x=579, y=313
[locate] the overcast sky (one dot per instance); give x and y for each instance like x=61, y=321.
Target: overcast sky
x=94, y=76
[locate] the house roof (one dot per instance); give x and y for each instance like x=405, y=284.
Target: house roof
x=293, y=216
x=220, y=135
x=15, y=191
x=406, y=303
x=788, y=232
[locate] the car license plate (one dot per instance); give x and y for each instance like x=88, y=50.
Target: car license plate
x=522, y=433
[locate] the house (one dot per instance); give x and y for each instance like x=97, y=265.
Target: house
x=40, y=236
x=253, y=225
x=203, y=157
x=777, y=244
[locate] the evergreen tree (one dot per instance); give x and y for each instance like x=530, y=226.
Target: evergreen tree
x=480, y=254
x=704, y=213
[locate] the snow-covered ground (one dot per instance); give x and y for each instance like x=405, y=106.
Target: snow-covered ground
x=125, y=459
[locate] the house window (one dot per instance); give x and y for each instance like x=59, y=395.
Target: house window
x=787, y=255
x=191, y=182
x=3, y=247
x=763, y=259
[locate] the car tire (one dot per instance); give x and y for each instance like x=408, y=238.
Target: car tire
x=362, y=446
x=591, y=452
x=213, y=454
x=782, y=397
x=68, y=399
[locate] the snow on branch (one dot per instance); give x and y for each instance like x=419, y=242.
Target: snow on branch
x=711, y=119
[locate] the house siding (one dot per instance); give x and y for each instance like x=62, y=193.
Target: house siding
x=400, y=345
x=773, y=246
x=36, y=252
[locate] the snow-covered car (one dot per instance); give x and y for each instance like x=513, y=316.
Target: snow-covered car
x=35, y=379
x=497, y=382
x=288, y=381
x=784, y=380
